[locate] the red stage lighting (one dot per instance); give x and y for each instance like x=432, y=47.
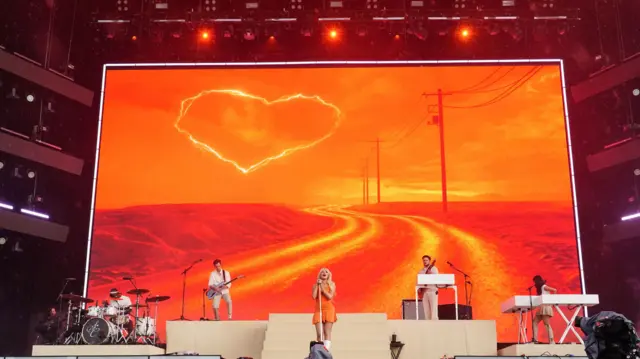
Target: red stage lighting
x=397, y=37
x=333, y=34
x=204, y=35
x=464, y=33
x=134, y=38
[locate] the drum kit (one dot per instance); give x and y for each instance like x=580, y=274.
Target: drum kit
x=111, y=323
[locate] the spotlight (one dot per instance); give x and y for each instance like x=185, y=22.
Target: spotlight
x=333, y=34
x=1, y=165
x=204, y=35
x=134, y=38
x=249, y=35
x=636, y=92
x=31, y=174
x=3, y=241
x=30, y=98
x=122, y=5
x=464, y=33
x=209, y=5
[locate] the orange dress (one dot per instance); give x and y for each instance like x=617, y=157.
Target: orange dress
x=328, y=309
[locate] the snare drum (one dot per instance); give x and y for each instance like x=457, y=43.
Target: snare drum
x=110, y=311
x=146, y=326
x=94, y=312
x=98, y=331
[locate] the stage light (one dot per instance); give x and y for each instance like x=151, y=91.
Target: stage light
x=6, y=206
x=296, y=4
x=134, y=38
x=372, y=4
x=636, y=92
x=1, y=165
x=397, y=37
x=209, y=5
x=459, y=4
x=335, y=4
x=3, y=241
x=417, y=3
x=464, y=33
x=249, y=35
x=34, y=213
x=204, y=35
x=13, y=94
x=272, y=38
x=122, y=5
x=333, y=34
x=31, y=98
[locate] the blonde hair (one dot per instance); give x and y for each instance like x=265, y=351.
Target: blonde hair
x=330, y=282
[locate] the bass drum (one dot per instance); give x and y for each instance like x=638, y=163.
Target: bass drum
x=98, y=331
x=146, y=326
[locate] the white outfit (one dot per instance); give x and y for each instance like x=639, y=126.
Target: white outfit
x=430, y=297
x=121, y=303
x=217, y=278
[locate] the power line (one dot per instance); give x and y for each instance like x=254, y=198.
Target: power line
x=510, y=89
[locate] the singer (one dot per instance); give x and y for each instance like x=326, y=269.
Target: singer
x=430, y=293
x=324, y=290
x=544, y=312
x=218, y=280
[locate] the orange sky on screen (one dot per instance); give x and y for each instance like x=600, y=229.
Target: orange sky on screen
x=513, y=150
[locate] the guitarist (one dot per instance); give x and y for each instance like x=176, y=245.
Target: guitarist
x=430, y=292
x=216, y=282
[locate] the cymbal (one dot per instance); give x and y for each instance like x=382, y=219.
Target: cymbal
x=158, y=298
x=138, y=291
x=76, y=298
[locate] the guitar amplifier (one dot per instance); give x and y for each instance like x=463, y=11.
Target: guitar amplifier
x=445, y=311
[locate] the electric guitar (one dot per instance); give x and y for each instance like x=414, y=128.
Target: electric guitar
x=421, y=291
x=215, y=290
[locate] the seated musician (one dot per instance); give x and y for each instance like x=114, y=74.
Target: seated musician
x=544, y=312
x=123, y=304
x=430, y=292
x=48, y=328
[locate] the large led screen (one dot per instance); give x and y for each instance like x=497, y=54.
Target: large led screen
x=280, y=170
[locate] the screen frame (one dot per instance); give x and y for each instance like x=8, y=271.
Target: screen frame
x=328, y=64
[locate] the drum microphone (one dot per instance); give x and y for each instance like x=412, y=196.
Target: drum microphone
x=127, y=278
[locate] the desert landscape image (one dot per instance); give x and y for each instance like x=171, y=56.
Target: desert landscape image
x=280, y=171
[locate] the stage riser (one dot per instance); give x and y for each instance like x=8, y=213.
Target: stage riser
x=531, y=350
x=345, y=333
x=342, y=318
x=337, y=354
x=335, y=344
x=93, y=350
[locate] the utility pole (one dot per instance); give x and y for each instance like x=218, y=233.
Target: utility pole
x=366, y=181
x=439, y=121
x=378, y=166
x=443, y=162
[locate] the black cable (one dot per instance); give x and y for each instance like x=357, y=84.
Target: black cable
x=482, y=89
x=470, y=88
x=409, y=133
x=511, y=89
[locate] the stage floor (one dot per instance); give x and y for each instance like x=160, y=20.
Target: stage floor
x=96, y=350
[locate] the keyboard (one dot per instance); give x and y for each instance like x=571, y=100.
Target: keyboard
x=436, y=279
x=518, y=303
x=524, y=302
x=587, y=300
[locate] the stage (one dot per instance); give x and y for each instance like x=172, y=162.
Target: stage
x=287, y=336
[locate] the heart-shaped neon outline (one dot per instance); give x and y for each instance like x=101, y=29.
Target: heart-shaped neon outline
x=188, y=102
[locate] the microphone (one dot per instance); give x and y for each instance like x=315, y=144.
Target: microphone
x=127, y=278
x=449, y=263
x=70, y=279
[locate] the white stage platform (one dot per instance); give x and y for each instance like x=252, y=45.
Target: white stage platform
x=355, y=336
x=96, y=350
x=533, y=350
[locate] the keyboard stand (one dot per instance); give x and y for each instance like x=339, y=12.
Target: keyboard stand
x=522, y=326
x=570, y=322
x=455, y=296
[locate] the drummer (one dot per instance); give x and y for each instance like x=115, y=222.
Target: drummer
x=122, y=304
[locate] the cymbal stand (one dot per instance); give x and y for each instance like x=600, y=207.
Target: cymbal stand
x=66, y=283
x=135, y=316
x=155, y=323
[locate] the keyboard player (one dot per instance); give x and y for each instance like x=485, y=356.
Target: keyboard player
x=544, y=312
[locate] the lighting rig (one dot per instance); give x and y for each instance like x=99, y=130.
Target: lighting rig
x=262, y=21
x=38, y=170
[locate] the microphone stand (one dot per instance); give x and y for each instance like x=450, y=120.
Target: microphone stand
x=467, y=296
x=320, y=304
x=204, y=313
x=530, y=312
x=184, y=287
x=66, y=283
